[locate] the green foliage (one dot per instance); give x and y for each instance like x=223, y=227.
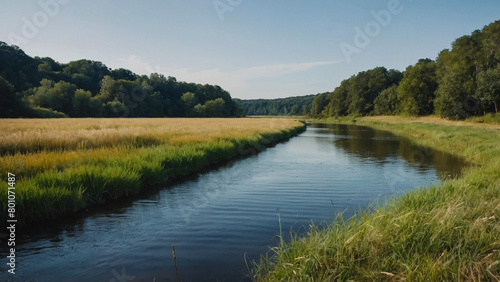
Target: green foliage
x=290, y=106
x=10, y=103
x=456, y=78
x=338, y=100
x=56, y=96
x=215, y=108
x=387, y=102
x=466, y=73
x=83, y=104
x=416, y=89
x=212, y=108
x=319, y=103
x=488, y=87
x=356, y=96
x=190, y=100
x=461, y=83
x=46, y=113
x=18, y=68
x=44, y=83
x=86, y=74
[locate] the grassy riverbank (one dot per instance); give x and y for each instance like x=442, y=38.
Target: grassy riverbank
x=449, y=232
x=65, y=165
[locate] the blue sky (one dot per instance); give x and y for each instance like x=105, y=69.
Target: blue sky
x=252, y=48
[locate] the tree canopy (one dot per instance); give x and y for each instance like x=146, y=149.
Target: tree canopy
x=290, y=106
x=463, y=81
x=42, y=87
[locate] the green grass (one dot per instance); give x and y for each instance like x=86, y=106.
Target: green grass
x=64, y=180
x=449, y=232
x=488, y=118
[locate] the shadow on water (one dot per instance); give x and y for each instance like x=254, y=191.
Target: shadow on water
x=383, y=146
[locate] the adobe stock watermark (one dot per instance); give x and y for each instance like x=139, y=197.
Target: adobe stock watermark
x=224, y=6
x=372, y=29
x=40, y=19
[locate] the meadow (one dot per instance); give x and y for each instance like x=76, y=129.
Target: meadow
x=65, y=165
x=447, y=232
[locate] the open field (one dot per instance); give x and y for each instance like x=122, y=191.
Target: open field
x=447, y=232
x=64, y=165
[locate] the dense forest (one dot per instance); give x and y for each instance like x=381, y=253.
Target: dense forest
x=291, y=106
x=461, y=82
x=42, y=87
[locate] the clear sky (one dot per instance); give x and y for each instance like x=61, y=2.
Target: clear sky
x=252, y=48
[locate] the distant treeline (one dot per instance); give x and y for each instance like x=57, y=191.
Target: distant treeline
x=290, y=106
x=42, y=87
x=462, y=82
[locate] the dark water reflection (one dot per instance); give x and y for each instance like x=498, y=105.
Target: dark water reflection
x=216, y=218
x=366, y=142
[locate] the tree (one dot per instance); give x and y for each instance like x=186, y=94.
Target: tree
x=122, y=73
x=190, y=100
x=366, y=86
x=456, y=76
x=87, y=74
x=488, y=87
x=10, y=105
x=17, y=68
x=83, y=105
x=55, y=96
x=281, y=106
x=318, y=105
x=199, y=110
x=387, y=102
x=490, y=37
x=109, y=89
x=416, y=91
x=215, y=108
x=338, y=100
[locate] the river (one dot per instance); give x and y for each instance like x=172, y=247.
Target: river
x=220, y=217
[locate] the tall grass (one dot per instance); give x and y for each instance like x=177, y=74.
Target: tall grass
x=57, y=176
x=449, y=232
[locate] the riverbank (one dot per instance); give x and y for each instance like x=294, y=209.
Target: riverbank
x=63, y=166
x=447, y=232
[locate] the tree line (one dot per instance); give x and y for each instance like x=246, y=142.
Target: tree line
x=42, y=87
x=463, y=81
x=290, y=106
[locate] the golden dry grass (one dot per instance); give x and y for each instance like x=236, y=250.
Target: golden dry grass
x=31, y=146
x=34, y=135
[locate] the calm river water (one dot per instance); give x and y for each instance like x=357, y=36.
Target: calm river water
x=218, y=218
